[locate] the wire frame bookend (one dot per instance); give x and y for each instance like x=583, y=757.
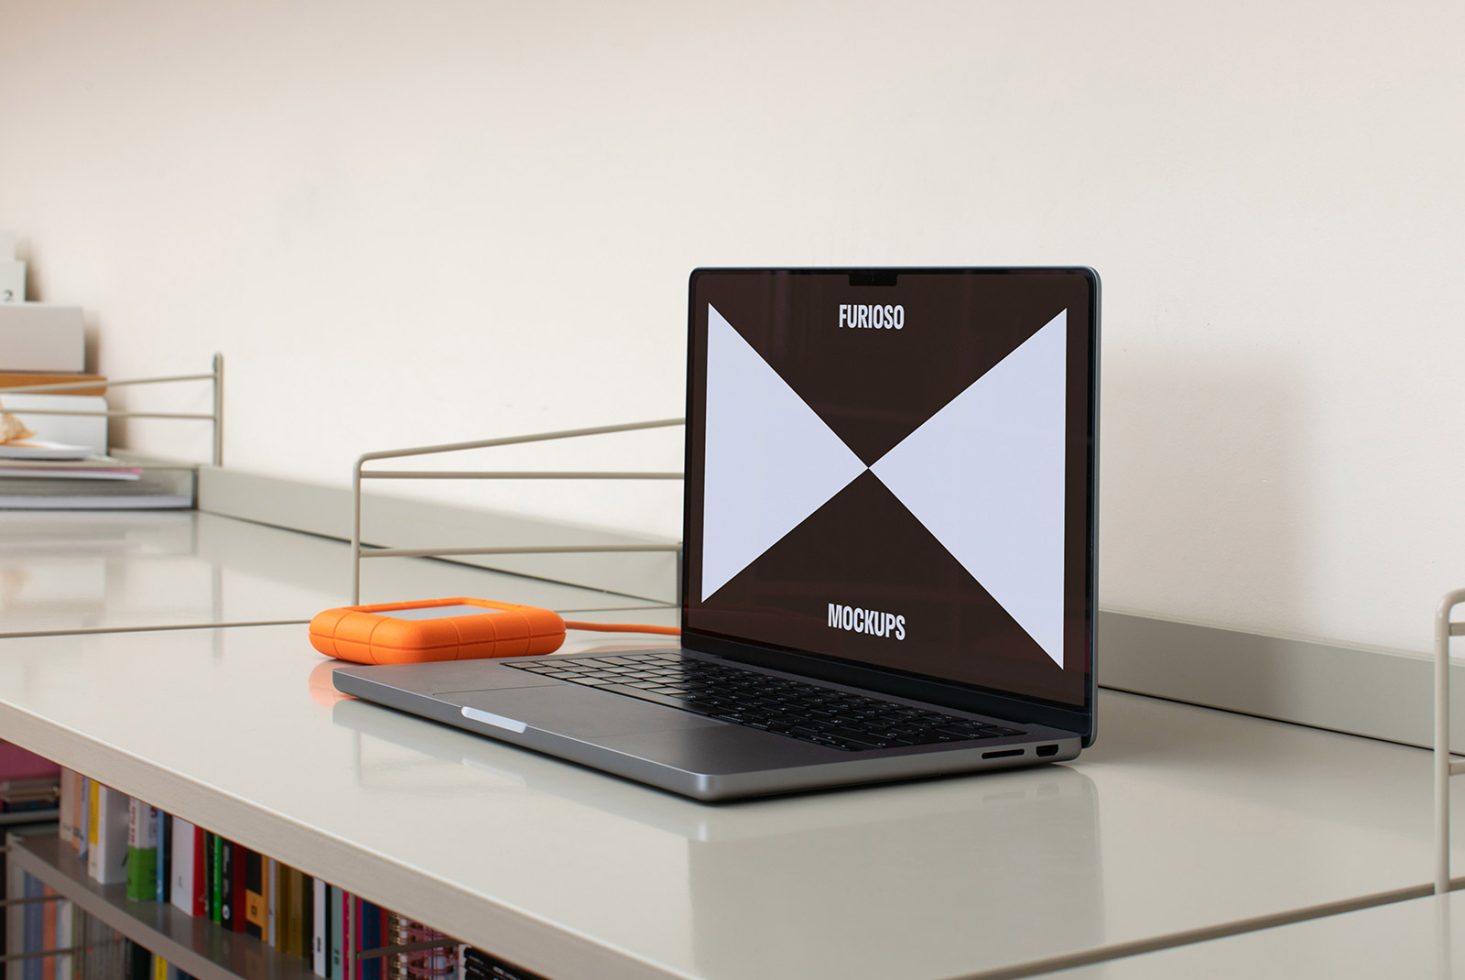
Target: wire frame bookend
x=360, y=552
x=215, y=416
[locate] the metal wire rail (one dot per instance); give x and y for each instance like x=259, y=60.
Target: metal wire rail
x=1445, y=764
x=359, y=552
x=216, y=416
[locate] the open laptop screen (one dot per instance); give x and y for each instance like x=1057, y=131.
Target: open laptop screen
x=895, y=468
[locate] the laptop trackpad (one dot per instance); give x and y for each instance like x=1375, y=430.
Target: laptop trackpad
x=575, y=711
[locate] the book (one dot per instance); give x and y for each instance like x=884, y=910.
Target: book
x=338, y=926
x=272, y=902
x=32, y=934
x=231, y=881
x=159, y=490
x=305, y=919
x=163, y=881
x=368, y=936
x=286, y=908
x=65, y=924
x=12, y=280
x=26, y=379
x=187, y=868
x=89, y=468
x=107, y=836
x=320, y=941
x=142, y=851
x=42, y=337
x=66, y=811
x=213, y=857
x=256, y=895
x=83, y=823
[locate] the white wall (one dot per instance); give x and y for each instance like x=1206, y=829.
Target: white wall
x=375, y=209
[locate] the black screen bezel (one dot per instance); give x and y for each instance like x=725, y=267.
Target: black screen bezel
x=1007, y=704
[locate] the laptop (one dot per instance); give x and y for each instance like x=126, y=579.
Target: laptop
x=889, y=548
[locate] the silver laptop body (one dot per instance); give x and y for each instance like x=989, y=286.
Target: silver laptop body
x=889, y=547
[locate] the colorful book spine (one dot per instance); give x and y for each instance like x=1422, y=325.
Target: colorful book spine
x=32, y=933
x=163, y=881
x=338, y=922
x=65, y=924
x=186, y=868
x=272, y=902
x=142, y=851
x=256, y=910
x=88, y=823
x=66, y=808
x=368, y=936
x=107, y=836
x=230, y=877
x=320, y=941
x=305, y=919
x=286, y=910
x=215, y=859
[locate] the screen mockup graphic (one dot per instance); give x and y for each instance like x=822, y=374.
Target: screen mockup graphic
x=895, y=470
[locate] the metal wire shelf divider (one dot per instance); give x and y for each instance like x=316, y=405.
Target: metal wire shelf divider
x=215, y=416
x=360, y=552
x=1445, y=764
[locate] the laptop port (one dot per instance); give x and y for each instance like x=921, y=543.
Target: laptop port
x=1001, y=754
x=1047, y=750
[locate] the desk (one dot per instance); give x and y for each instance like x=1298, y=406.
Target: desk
x=1420, y=938
x=66, y=572
x=1181, y=818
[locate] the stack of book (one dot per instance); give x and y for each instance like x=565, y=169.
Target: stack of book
x=62, y=464
x=39, y=474
x=158, y=857
x=28, y=783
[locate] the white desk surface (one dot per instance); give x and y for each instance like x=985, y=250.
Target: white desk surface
x=1424, y=937
x=118, y=570
x=1181, y=818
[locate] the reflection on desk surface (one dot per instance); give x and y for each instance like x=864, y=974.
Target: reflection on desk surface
x=89, y=571
x=1002, y=852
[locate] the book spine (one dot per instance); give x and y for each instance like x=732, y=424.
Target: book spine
x=349, y=927
x=237, y=895
x=78, y=812
x=108, y=853
x=140, y=961
x=320, y=958
x=230, y=876
x=256, y=913
x=305, y=940
x=66, y=825
x=180, y=869
x=32, y=937
x=48, y=929
x=65, y=916
x=337, y=924
x=93, y=806
x=163, y=883
x=142, y=851
x=210, y=876
x=368, y=936
x=272, y=902
x=217, y=849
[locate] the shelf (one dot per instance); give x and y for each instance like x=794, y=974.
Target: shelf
x=196, y=946
x=20, y=818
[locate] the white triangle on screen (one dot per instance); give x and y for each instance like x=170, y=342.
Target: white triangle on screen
x=985, y=477
x=770, y=460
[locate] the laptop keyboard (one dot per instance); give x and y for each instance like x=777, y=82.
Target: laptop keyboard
x=809, y=712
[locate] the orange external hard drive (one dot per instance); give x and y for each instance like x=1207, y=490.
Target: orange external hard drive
x=436, y=629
